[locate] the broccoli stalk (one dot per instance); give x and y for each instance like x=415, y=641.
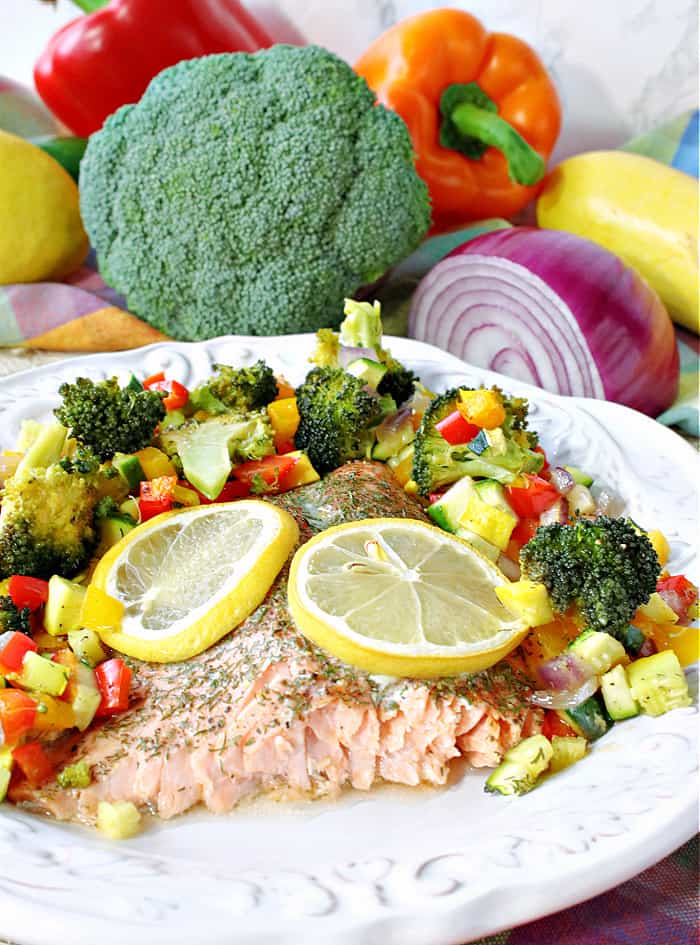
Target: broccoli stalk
x=605, y=567
x=437, y=463
x=107, y=418
x=318, y=197
x=336, y=413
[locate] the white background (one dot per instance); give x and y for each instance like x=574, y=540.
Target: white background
x=621, y=66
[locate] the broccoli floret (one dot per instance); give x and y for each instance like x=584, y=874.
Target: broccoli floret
x=272, y=187
x=325, y=354
x=335, y=416
x=207, y=450
x=604, y=566
x=362, y=325
x=236, y=389
x=437, y=463
x=398, y=382
x=13, y=618
x=47, y=522
x=106, y=418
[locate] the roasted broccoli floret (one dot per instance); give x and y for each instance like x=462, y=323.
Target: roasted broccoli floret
x=107, y=418
x=236, y=389
x=605, y=567
x=335, y=416
x=437, y=463
x=206, y=451
x=273, y=186
x=14, y=618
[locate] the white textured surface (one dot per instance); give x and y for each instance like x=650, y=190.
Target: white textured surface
x=621, y=67
x=392, y=867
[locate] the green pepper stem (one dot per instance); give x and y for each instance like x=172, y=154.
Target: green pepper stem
x=90, y=6
x=525, y=165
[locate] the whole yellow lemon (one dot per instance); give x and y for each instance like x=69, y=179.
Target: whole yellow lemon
x=41, y=233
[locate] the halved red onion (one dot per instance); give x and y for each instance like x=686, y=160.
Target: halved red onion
x=390, y=425
x=564, y=673
x=556, y=513
x=561, y=479
x=565, y=699
x=555, y=310
x=511, y=569
x=608, y=502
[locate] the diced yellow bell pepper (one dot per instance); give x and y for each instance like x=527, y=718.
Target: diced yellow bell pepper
x=527, y=599
x=482, y=407
x=284, y=417
x=53, y=715
x=155, y=463
x=185, y=496
x=489, y=522
x=42, y=674
x=660, y=545
x=62, y=612
x=302, y=472
x=100, y=611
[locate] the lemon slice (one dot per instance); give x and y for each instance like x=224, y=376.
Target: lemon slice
x=401, y=597
x=188, y=577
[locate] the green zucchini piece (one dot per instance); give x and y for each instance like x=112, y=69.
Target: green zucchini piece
x=658, y=683
x=113, y=529
x=598, y=650
x=566, y=751
x=580, y=477
x=521, y=767
x=632, y=639
x=448, y=509
x=130, y=469
x=617, y=695
x=371, y=372
x=589, y=719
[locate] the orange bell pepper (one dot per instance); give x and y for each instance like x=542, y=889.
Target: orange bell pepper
x=482, y=112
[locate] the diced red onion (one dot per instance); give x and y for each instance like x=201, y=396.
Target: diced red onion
x=347, y=354
x=565, y=673
x=609, y=503
x=392, y=424
x=511, y=569
x=561, y=479
x=557, y=513
x=565, y=699
x=555, y=310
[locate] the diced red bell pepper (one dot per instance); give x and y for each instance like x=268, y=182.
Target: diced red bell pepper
x=269, y=474
x=554, y=725
x=521, y=535
x=35, y=764
x=17, y=714
x=284, y=446
x=15, y=649
x=156, y=496
x=178, y=395
x=679, y=593
x=114, y=681
x=231, y=490
x=27, y=591
x=530, y=500
x=455, y=429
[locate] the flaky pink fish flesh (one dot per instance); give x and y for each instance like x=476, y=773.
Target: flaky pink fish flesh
x=264, y=710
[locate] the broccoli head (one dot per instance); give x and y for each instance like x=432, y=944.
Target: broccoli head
x=250, y=193
x=336, y=413
x=107, y=418
x=437, y=463
x=14, y=618
x=604, y=566
x=236, y=389
x=47, y=522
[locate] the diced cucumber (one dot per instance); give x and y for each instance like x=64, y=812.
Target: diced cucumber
x=130, y=507
x=479, y=443
x=632, y=639
x=119, y=820
x=371, y=372
x=87, y=646
x=521, y=766
x=62, y=611
x=42, y=675
x=527, y=599
x=113, y=528
x=566, y=750
x=617, y=694
x=598, y=650
x=488, y=521
x=658, y=683
x=448, y=509
x=130, y=469
x=86, y=698
x=580, y=477
x=589, y=719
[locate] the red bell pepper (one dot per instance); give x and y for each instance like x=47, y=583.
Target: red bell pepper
x=554, y=725
x=36, y=765
x=178, y=394
x=265, y=475
x=156, y=496
x=27, y=591
x=679, y=593
x=114, y=681
x=455, y=429
x=232, y=490
x=15, y=649
x=17, y=714
x=530, y=500
x=97, y=63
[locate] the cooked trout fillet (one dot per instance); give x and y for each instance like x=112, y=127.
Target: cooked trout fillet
x=264, y=710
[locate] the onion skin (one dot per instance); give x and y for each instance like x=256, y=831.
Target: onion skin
x=624, y=324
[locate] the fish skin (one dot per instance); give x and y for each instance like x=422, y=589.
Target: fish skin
x=264, y=710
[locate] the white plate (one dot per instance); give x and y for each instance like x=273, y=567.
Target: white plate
x=415, y=867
